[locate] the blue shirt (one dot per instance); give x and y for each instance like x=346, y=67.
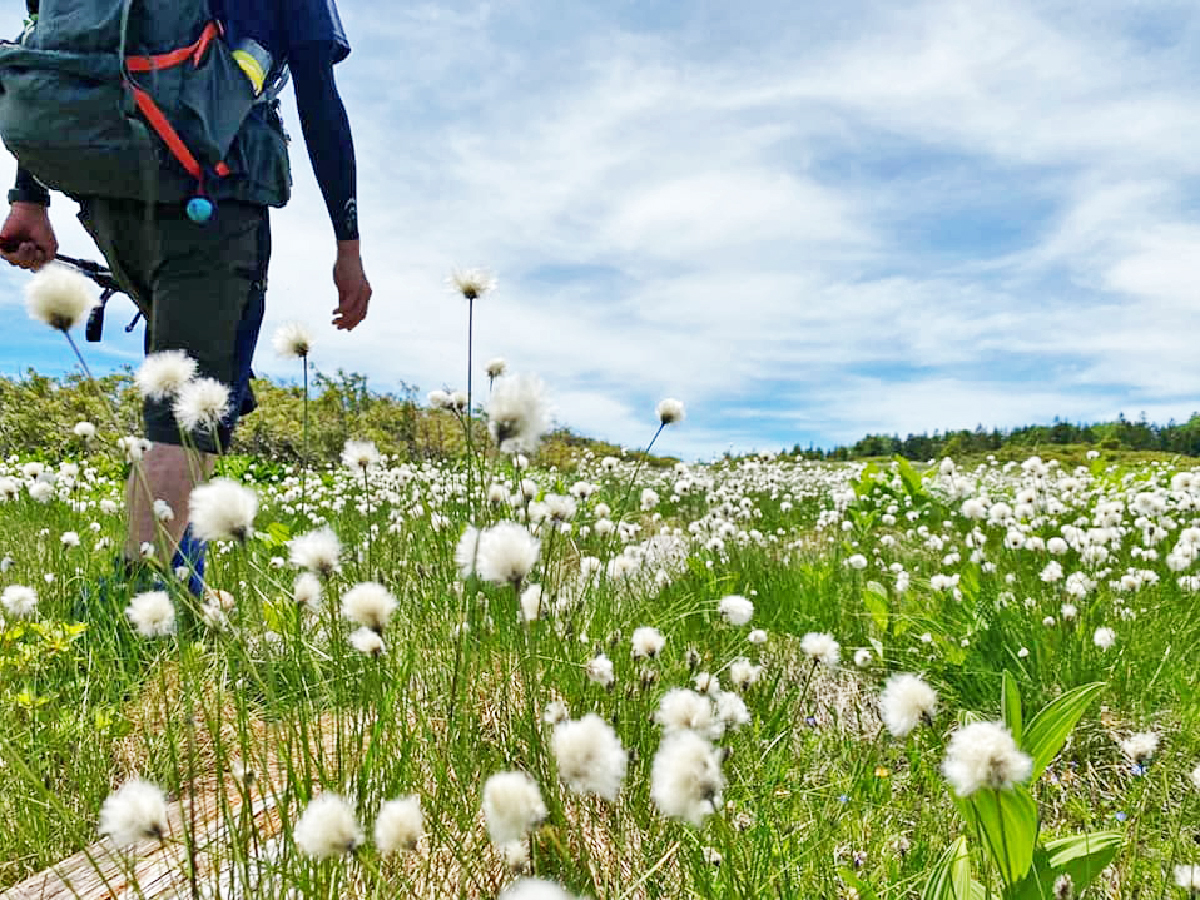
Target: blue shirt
x=283, y=26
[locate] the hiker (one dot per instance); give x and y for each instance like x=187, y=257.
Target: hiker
x=176, y=194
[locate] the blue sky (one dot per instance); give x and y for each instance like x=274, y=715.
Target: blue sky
x=807, y=223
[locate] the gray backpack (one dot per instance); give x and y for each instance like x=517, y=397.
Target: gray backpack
x=138, y=99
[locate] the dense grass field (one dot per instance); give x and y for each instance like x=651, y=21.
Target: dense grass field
x=758, y=755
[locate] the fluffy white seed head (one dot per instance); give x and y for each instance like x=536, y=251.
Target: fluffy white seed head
x=318, y=551
x=731, y=710
x=821, y=648
x=137, y=811
x=359, y=456
x=599, y=670
x=1104, y=638
x=19, y=600
x=683, y=710
x=512, y=806
x=590, y=757
x=152, y=613
x=466, y=553
x=366, y=641
x=496, y=367
x=327, y=828
x=534, y=602
x=984, y=755
x=292, y=341
x=1196, y=777
x=1141, y=746
x=163, y=375
x=1188, y=878
x=506, y=553
x=472, y=283
x=307, y=591
x=686, y=780
x=647, y=642
x=201, y=404
x=736, y=609
x=906, y=702
x=369, y=604
x=670, y=411
x=59, y=296
x=744, y=673
x=399, y=825
x=85, y=430
x=223, y=509
x=518, y=412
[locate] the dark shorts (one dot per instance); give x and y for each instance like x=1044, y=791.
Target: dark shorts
x=201, y=289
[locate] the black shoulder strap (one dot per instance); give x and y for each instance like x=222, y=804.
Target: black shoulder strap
x=32, y=6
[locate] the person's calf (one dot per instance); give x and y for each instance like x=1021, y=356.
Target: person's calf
x=157, y=495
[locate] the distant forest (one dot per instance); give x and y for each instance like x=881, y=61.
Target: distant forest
x=1119, y=435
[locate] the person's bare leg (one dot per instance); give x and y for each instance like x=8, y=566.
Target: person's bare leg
x=166, y=472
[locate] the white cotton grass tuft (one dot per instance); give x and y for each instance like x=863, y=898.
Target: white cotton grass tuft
x=681, y=709
x=19, y=600
x=328, y=828
x=317, y=551
x=152, y=613
x=1188, y=878
x=518, y=412
x=222, y=510
x=163, y=375
x=366, y=641
x=496, y=367
x=292, y=341
x=506, y=553
x=821, y=648
x=1104, y=638
x=670, y=411
x=360, y=456
x=201, y=404
x=599, y=670
x=369, y=604
x=59, y=296
x=307, y=591
x=512, y=806
x=399, y=825
x=686, y=780
x=744, y=673
x=1141, y=746
x=590, y=757
x=647, y=642
x=736, y=609
x=84, y=430
x=472, y=283
x=534, y=602
x=535, y=889
x=136, y=811
x=732, y=710
x=984, y=755
x=907, y=701
x=1196, y=777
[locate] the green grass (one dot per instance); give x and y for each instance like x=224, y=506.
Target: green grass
x=817, y=801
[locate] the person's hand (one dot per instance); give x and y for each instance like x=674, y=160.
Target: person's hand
x=27, y=237
x=354, y=291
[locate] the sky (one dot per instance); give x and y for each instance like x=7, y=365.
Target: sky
x=807, y=221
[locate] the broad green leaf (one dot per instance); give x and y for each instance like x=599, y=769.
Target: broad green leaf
x=950, y=876
x=1010, y=705
x=877, y=608
x=1048, y=731
x=1009, y=823
x=1082, y=857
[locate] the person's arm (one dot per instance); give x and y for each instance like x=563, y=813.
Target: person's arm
x=330, y=146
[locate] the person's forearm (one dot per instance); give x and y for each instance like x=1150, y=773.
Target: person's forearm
x=327, y=135
x=27, y=189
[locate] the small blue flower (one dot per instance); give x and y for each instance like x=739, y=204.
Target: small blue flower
x=810, y=721
x=1122, y=816
x=843, y=798
x=1137, y=769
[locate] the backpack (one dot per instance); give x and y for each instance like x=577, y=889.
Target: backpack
x=140, y=100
